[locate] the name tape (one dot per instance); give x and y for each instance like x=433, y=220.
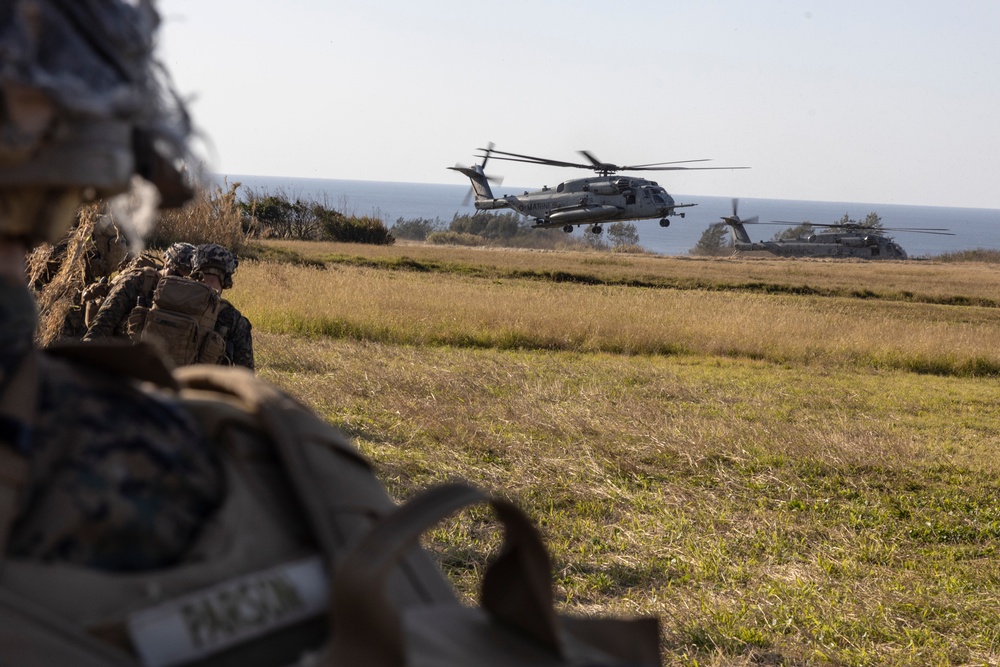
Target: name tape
x=213, y=619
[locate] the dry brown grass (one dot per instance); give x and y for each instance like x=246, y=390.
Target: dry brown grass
x=211, y=217
x=422, y=308
x=779, y=491
x=762, y=511
x=937, y=281
x=62, y=291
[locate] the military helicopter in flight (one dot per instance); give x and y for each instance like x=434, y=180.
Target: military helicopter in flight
x=841, y=239
x=591, y=201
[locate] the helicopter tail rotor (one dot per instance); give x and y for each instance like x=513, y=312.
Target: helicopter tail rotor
x=735, y=218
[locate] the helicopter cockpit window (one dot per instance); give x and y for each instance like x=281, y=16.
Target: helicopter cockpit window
x=560, y=187
x=658, y=199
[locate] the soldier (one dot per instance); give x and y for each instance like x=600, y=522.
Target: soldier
x=215, y=265
x=127, y=538
x=71, y=273
x=135, y=288
x=97, y=471
x=112, y=498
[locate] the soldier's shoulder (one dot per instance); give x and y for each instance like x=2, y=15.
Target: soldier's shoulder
x=136, y=451
x=231, y=315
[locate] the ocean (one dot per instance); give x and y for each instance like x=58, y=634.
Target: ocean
x=974, y=228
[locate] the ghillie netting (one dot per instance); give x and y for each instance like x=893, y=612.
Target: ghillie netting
x=58, y=274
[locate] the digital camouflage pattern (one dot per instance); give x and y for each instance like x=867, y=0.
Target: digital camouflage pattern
x=120, y=477
x=237, y=332
x=215, y=259
x=178, y=257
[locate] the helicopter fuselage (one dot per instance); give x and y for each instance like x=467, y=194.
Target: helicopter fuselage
x=831, y=244
x=591, y=200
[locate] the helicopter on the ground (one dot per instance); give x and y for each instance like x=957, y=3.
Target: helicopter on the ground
x=844, y=239
x=584, y=201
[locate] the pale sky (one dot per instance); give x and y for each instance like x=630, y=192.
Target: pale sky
x=878, y=101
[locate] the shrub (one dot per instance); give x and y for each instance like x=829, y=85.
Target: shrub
x=622, y=235
x=803, y=230
x=987, y=255
x=714, y=241
x=365, y=229
x=278, y=215
x=455, y=238
x=213, y=216
x=416, y=229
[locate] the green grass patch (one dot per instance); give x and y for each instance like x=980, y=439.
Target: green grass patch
x=767, y=513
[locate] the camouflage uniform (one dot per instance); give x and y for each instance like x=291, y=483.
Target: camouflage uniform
x=105, y=251
x=235, y=329
x=131, y=289
x=120, y=477
x=109, y=473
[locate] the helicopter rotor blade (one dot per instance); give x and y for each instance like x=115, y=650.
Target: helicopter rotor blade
x=937, y=231
x=598, y=165
x=546, y=163
x=595, y=164
x=658, y=164
x=530, y=159
x=486, y=158
x=916, y=229
x=736, y=205
x=751, y=220
x=675, y=168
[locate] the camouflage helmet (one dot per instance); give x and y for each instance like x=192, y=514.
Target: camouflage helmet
x=84, y=106
x=212, y=258
x=180, y=256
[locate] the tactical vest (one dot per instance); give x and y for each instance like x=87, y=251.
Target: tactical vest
x=307, y=562
x=181, y=321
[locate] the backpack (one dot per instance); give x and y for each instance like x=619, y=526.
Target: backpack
x=182, y=321
x=254, y=593
x=95, y=293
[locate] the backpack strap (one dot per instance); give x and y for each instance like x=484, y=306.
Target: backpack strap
x=150, y=278
x=516, y=594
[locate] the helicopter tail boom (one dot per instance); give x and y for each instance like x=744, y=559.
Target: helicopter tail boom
x=739, y=231
x=480, y=184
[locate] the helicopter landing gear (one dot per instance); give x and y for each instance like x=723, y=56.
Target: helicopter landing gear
x=596, y=230
x=567, y=228
x=664, y=222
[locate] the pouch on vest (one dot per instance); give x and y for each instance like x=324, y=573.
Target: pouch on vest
x=92, y=298
x=182, y=319
x=213, y=348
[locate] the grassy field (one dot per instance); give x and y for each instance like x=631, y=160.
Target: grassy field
x=789, y=462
